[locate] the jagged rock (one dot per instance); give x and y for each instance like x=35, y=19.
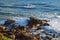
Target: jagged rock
x=26, y=28
x=47, y=38
x=19, y=28
x=55, y=36
x=45, y=24
x=12, y=36
x=36, y=22
x=22, y=37
x=21, y=34
x=8, y=22
x=27, y=36
x=36, y=37
x=2, y=27
x=8, y=34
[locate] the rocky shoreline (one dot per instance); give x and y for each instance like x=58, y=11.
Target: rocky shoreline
x=32, y=31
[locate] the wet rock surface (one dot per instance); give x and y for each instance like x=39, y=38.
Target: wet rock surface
x=8, y=22
x=32, y=31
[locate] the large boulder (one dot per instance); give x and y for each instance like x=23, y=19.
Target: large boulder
x=36, y=22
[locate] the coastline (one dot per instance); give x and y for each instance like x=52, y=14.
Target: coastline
x=31, y=29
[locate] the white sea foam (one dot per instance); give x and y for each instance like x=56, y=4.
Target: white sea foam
x=54, y=24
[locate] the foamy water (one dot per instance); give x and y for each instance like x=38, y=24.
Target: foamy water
x=54, y=24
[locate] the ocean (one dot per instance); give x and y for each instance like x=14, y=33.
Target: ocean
x=44, y=9
x=16, y=7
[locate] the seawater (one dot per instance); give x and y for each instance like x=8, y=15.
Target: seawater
x=15, y=7
x=44, y=9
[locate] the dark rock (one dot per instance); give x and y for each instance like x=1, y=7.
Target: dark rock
x=47, y=37
x=36, y=22
x=22, y=37
x=45, y=24
x=8, y=22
